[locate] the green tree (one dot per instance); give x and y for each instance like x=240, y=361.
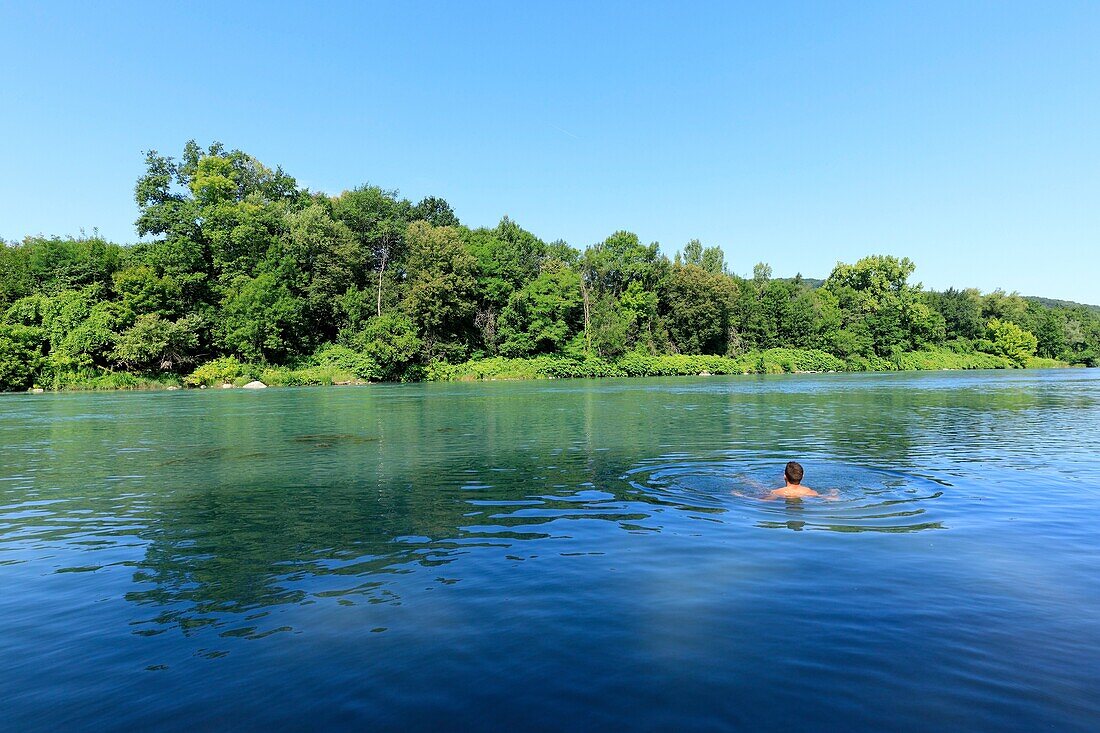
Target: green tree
x=217, y=214
x=710, y=259
x=20, y=356
x=508, y=257
x=1004, y=306
x=1050, y=334
x=153, y=343
x=81, y=328
x=391, y=342
x=1011, y=341
x=698, y=309
x=378, y=220
x=610, y=326
x=142, y=291
x=320, y=256
x=541, y=317
x=611, y=265
x=441, y=288
x=261, y=319
x=435, y=211
x=875, y=293
x=961, y=311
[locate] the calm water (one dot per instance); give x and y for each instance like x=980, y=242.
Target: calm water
x=555, y=555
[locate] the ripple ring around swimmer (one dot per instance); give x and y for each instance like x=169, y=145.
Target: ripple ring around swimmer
x=867, y=499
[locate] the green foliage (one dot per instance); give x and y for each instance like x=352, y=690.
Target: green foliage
x=961, y=311
x=319, y=259
x=82, y=330
x=245, y=270
x=1004, y=307
x=20, y=356
x=709, y=259
x=507, y=258
x=876, y=294
x=261, y=319
x=541, y=317
x=142, y=291
x=435, y=211
x=442, y=283
x=1012, y=342
x=936, y=359
x=773, y=361
x=321, y=374
x=26, y=311
x=216, y=371
x=1050, y=334
x=153, y=343
x=611, y=265
x=348, y=361
x=50, y=265
x=391, y=344
x=88, y=380
x=378, y=220
x=609, y=327
x=698, y=308
x=1039, y=362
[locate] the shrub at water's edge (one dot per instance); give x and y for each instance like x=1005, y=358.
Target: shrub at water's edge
x=772, y=361
x=338, y=366
x=90, y=381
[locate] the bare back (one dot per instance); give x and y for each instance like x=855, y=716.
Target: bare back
x=793, y=491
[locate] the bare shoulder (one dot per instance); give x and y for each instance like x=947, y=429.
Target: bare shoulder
x=794, y=492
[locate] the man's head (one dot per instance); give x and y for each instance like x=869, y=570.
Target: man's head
x=793, y=472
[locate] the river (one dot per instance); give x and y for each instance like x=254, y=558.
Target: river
x=556, y=555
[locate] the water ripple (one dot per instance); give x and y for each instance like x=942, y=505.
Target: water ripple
x=854, y=498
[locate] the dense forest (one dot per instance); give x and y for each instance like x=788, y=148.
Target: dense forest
x=243, y=274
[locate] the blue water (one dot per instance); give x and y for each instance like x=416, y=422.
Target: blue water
x=555, y=556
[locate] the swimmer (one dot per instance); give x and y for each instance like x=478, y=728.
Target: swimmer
x=792, y=474
x=793, y=488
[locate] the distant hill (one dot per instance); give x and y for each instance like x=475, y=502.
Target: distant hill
x=814, y=282
x=1055, y=303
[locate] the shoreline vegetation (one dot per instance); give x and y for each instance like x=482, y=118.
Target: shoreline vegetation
x=242, y=275
x=232, y=373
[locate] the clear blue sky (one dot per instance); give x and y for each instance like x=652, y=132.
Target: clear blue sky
x=964, y=135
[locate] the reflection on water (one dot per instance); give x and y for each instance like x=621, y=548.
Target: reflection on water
x=500, y=555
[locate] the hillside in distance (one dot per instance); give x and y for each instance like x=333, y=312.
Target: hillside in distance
x=814, y=283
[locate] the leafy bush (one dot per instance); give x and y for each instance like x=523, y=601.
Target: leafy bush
x=774, y=361
x=1011, y=341
x=1040, y=362
x=936, y=359
x=386, y=348
x=155, y=343
x=214, y=372
x=89, y=380
x=324, y=375
x=960, y=346
x=20, y=356
x=354, y=363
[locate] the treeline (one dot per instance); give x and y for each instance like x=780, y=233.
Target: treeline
x=243, y=269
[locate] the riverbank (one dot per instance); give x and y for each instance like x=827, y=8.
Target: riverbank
x=772, y=361
x=229, y=371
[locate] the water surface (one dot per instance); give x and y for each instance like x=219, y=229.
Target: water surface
x=555, y=555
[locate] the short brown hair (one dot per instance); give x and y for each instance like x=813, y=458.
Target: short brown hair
x=794, y=472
